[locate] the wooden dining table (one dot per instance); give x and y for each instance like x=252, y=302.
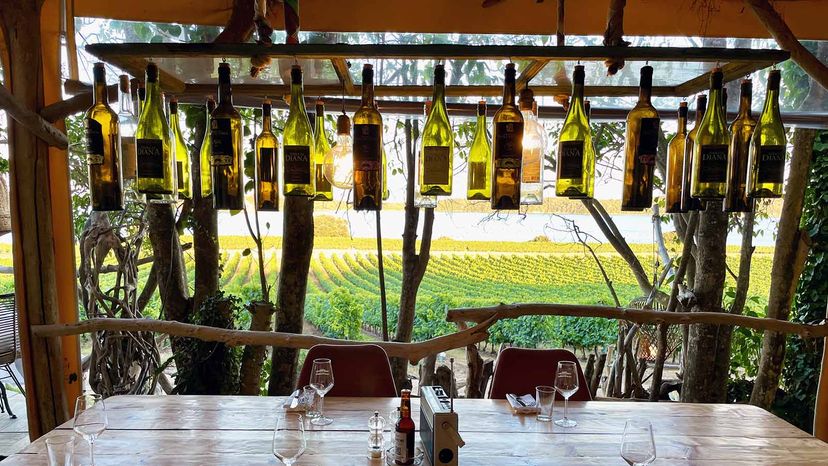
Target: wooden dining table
x=237, y=430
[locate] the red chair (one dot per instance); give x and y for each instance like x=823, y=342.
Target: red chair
x=359, y=370
x=520, y=370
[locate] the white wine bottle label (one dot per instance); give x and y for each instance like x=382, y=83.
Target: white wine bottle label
x=297, y=165
x=267, y=167
x=94, y=142
x=508, y=148
x=436, y=165
x=771, y=164
x=367, y=150
x=713, y=164
x=150, y=153
x=128, y=156
x=531, y=171
x=401, y=455
x=648, y=141
x=221, y=141
x=571, y=160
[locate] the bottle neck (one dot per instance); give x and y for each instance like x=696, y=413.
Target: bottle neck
x=509, y=91
x=368, y=92
x=745, y=101
x=99, y=91
x=225, y=93
x=644, y=94
x=125, y=101
x=153, y=96
x=771, y=102
x=481, y=123
x=438, y=97
x=174, y=118
x=297, y=98
x=714, y=103
x=682, y=124
x=266, y=118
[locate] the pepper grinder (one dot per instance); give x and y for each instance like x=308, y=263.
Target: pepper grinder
x=376, y=439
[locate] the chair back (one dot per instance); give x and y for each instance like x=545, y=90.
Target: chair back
x=359, y=370
x=520, y=370
x=9, y=342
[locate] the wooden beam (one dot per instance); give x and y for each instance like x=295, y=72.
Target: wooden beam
x=730, y=71
x=31, y=120
x=136, y=66
x=786, y=39
x=641, y=316
x=410, y=351
x=119, y=53
x=530, y=72
x=341, y=67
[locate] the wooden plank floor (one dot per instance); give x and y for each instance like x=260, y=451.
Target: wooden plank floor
x=14, y=433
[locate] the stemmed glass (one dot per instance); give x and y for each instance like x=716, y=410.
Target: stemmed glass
x=566, y=382
x=322, y=380
x=638, y=446
x=289, y=440
x=90, y=420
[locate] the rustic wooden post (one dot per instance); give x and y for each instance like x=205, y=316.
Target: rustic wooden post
x=821, y=408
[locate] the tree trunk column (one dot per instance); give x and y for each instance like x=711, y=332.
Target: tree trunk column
x=708, y=364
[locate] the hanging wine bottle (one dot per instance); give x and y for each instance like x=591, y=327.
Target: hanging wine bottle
x=367, y=148
x=508, y=148
x=480, y=160
x=688, y=202
x=385, y=177
x=182, y=156
x=741, y=130
x=766, y=162
x=141, y=93
x=298, y=142
x=588, y=110
x=675, y=163
x=710, y=151
x=438, y=143
x=324, y=190
x=205, y=155
x=226, y=147
x=127, y=124
x=641, y=148
x=576, y=154
x=103, y=155
x=531, y=171
x=420, y=201
x=156, y=164
x=267, y=156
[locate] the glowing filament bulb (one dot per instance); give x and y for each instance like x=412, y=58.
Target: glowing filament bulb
x=339, y=161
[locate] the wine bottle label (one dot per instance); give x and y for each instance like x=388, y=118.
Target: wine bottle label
x=771, y=164
x=713, y=164
x=267, y=168
x=436, y=164
x=508, y=148
x=128, y=156
x=221, y=141
x=571, y=160
x=94, y=142
x=403, y=447
x=531, y=171
x=648, y=141
x=150, y=154
x=297, y=165
x=367, y=150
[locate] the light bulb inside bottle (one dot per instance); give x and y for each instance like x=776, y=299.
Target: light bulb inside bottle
x=339, y=162
x=533, y=140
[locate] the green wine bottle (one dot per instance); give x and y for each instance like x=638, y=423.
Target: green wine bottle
x=156, y=164
x=436, y=156
x=324, y=190
x=226, y=148
x=205, y=155
x=367, y=150
x=768, y=147
x=641, y=148
x=480, y=160
x=267, y=168
x=182, y=156
x=710, y=152
x=576, y=154
x=103, y=148
x=298, y=144
x=688, y=202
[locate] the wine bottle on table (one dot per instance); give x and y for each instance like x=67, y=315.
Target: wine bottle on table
x=675, y=163
x=768, y=146
x=267, y=165
x=576, y=154
x=531, y=171
x=226, y=147
x=127, y=123
x=156, y=164
x=297, y=143
x=367, y=147
x=205, y=154
x=404, y=432
x=438, y=143
x=324, y=190
x=741, y=130
x=710, y=151
x=103, y=142
x=480, y=160
x=508, y=148
x=641, y=148
x=182, y=156
x=689, y=203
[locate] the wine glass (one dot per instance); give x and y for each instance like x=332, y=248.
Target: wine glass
x=566, y=382
x=289, y=440
x=90, y=420
x=638, y=446
x=322, y=380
